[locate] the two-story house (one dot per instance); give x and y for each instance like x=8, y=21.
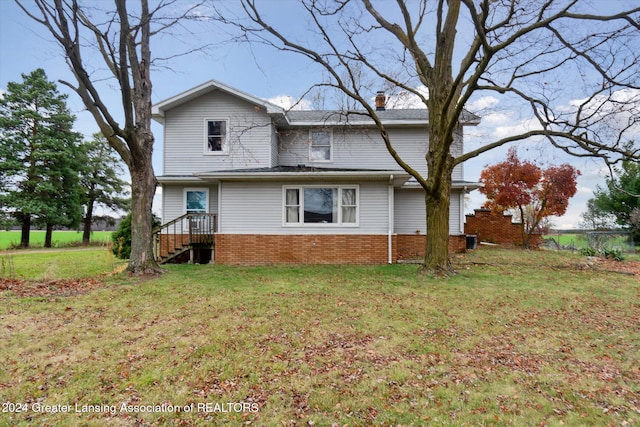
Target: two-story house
x=283, y=186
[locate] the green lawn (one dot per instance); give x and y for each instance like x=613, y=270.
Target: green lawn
x=70, y=263
x=573, y=240
x=516, y=338
x=60, y=238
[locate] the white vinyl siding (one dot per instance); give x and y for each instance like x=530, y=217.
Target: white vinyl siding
x=275, y=157
x=363, y=148
x=456, y=222
x=257, y=208
x=173, y=200
x=359, y=148
x=410, y=212
x=457, y=150
x=249, y=135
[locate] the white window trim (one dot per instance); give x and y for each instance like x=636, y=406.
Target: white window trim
x=225, y=143
x=184, y=197
x=301, y=222
x=330, y=131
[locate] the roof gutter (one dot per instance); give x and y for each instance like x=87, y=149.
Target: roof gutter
x=399, y=179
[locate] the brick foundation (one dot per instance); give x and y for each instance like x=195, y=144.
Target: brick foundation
x=252, y=249
x=413, y=245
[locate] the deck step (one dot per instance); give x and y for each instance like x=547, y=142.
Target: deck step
x=186, y=232
x=172, y=255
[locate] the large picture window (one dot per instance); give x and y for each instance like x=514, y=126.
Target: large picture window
x=320, y=145
x=309, y=205
x=216, y=141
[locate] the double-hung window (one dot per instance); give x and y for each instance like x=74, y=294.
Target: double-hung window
x=320, y=145
x=216, y=136
x=316, y=205
x=292, y=206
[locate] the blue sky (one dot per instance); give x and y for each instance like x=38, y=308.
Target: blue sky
x=263, y=72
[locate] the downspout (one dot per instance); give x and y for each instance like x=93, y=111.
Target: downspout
x=219, y=206
x=391, y=220
x=214, y=250
x=461, y=209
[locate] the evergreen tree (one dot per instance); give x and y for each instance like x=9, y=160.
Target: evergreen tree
x=100, y=181
x=37, y=155
x=621, y=196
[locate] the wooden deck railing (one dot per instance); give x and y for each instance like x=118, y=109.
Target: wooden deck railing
x=183, y=233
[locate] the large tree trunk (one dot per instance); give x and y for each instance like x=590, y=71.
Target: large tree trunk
x=48, y=236
x=438, y=184
x=436, y=256
x=143, y=179
x=143, y=188
x=26, y=229
x=86, y=230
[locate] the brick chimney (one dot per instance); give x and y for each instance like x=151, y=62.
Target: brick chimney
x=381, y=101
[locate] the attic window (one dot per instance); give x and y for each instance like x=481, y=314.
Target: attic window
x=216, y=141
x=320, y=145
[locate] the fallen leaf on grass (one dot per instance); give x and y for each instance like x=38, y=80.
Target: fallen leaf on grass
x=47, y=288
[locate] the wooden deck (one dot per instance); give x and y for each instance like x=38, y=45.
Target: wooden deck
x=185, y=233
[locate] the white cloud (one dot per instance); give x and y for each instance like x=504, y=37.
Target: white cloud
x=290, y=103
x=516, y=128
x=408, y=100
x=483, y=103
x=615, y=115
x=493, y=119
x=585, y=190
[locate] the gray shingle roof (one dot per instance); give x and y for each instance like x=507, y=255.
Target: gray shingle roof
x=301, y=168
x=306, y=117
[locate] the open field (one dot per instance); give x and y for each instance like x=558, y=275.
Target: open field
x=579, y=241
x=60, y=238
x=516, y=338
x=54, y=264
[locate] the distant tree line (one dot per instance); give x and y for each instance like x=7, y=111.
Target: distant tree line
x=49, y=176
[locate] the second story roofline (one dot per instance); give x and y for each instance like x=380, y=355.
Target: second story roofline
x=307, y=118
x=159, y=109
x=390, y=117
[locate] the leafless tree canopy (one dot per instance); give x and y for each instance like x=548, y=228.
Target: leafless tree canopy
x=533, y=55
x=525, y=53
x=111, y=47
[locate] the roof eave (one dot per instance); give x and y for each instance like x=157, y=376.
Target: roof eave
x=465, y=186
x=179, y=179
x=158, y=109
x=399, y=177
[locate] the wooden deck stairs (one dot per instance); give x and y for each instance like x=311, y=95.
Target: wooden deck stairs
x=185, y=233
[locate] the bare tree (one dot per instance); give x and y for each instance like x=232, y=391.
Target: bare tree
x=525, y=53
x=121, y=39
